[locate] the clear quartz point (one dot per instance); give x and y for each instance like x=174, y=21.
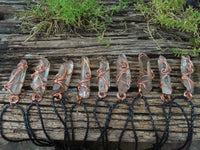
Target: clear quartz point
x=145, y=74
x=40, y=77
x=104, y=85
x=17, y=78
x=85, y=76
x=124, y=74
x=65, y=72
x=166, y=82
x=185, y=64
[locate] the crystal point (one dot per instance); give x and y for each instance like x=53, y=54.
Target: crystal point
x=17, y=78
x=40, y=77
x=124, y=74
x=145, y=73
x=104, y=81
x=86, y=77
x=65, y=73
x=164, y=69
x=187, y=69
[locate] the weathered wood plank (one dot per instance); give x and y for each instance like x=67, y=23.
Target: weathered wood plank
x=56, y=48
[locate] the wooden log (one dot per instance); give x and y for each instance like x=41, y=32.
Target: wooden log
x=59, y=47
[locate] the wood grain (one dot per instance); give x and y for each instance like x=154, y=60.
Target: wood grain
x=59, y=47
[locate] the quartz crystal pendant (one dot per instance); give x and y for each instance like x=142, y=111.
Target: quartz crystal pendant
x=40, y=77
x=17, y=78
x=64, y=76
x=124, y=74
x=165, y=70
x=187, y=69
x=84, y=85
x=145, y=73
x=104, y=80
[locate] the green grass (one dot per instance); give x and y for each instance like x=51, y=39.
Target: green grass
x=62, y=16
x=172, y=15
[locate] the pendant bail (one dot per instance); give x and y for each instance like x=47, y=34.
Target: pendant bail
x=144, y=83
x=86, y=76
x=165, y=80
x=16, y=81
x=40, y=79
x=103, y=78
x=123, y=77
x=62, y=79
x=187, y=68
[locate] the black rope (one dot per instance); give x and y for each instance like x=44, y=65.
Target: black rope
x=82, y=146
x=64, y=122
x=191, y=125
x=188, y=141
x=165, y=135
x=108, y=118
x=99, y=126
x=32, y=136
x=132, y=122
x=168, y=118
x=156, y=146
x=1, y=120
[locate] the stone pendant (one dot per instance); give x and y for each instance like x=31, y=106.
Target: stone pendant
x=17, y=78
x=84, y=85
x=165, y=80
x=103, y=75
x=61, y=83
x=145, y=80
x=40, y=77
x=124, y=75
x=187, y=69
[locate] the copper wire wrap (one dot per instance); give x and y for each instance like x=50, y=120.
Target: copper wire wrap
x=59, y=79
x=165, y=97
x=123, y=68
x=39, y=69
x=13, y=99
x=100, y=74
x=144, y=74
x=89, y=77
x=189, y=70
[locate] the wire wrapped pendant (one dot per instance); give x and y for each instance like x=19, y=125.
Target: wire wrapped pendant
x=14, y=87
x=39, y=86
x=165, y=83
x=83, y=92
x=123, y=82
x=60, y=85
x=103, y=79
x=144, y=85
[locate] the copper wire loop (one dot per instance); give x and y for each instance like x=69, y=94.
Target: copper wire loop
x=121, y=97
x=36, y=97
x=80, y=84
x=141, y=83
x=39, y=69
x=57, y=96
x=188, y=94
x=20, y=67
x=123, y=68
x=189, y=70
x=13, y=99
x=165, y=98
x=59, y=79
x=100, y=74
x=102, y=94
